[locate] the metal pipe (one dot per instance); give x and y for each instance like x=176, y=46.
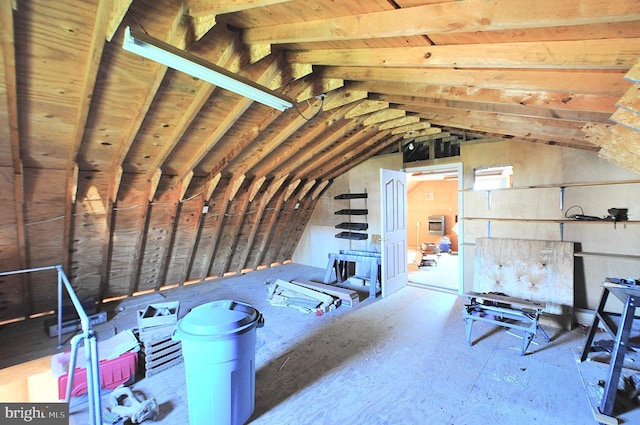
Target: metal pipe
x=91, y=346
x=59, y=309
x=72, y=365
x=84, y=319
x=93, y=377
x=27, y=270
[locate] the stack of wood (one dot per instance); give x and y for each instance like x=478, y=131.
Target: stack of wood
x=309, y=297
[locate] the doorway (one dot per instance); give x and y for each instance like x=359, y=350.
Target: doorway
x=434, y=226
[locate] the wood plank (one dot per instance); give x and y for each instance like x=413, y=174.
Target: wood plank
x=366, y=107
x=317, y=135
x=348, y=297
x=209, y=231
x=609, y=83
x=399, y=122
x=561, y=131
x=289, y=125
x=619, y=53
x=634, y=73
x=383, y=116
x=261, y=72
x=512, y=109
x=631, y=99
x=627, y=118
x=562, y=100
x=183, y=240
x=229, y=236
x=463, y=16
x=536, y=270
x=410, y=127
x=265, y=228
x=221, y=50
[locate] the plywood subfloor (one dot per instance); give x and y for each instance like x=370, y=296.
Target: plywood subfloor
x=398, y=360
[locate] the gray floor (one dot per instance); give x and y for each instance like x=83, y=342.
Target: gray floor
x=399, y=360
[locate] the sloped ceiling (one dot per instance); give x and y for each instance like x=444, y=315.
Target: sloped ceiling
x=136, y=177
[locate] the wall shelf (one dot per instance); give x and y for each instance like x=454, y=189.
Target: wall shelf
x=351, y=225
x=352, y=235
x=556, y=185
x=552, y=220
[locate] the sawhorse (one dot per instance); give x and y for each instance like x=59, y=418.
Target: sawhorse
x=526, y=318
x=629, y=297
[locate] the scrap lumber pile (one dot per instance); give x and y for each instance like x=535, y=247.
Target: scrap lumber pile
x=159, y=350
x=308, y=297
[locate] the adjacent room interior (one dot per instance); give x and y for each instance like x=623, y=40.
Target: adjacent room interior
x=328, y=211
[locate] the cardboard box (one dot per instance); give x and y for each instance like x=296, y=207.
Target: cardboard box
x=158, y=314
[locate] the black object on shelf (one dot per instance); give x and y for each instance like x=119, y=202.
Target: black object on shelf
x=352, y=226
x=352, y=235
x=349, y=211
x=352, y=196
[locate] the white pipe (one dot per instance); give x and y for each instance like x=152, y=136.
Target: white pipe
x=91, y=346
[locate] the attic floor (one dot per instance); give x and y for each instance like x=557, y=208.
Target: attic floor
x=399, y=360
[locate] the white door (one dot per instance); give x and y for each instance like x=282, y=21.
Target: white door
x=393, y=190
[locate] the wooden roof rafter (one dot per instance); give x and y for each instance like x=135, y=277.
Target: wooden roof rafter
x=468, y=16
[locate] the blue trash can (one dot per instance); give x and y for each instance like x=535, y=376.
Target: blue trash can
x=218, y=345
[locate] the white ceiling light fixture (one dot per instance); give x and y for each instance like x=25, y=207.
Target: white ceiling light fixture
x=172, y=57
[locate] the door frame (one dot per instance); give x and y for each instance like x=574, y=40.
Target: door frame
x=459, y=167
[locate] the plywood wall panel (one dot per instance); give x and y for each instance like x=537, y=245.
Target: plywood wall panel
x=89, y=231
x=44, y=227
x=128, y=225
x=184, y=239
x=256, y=256
x=11, y=296
x=156, y=246
x=228, y=240
x=208, y=235
x=11, y=289
x=536, y=270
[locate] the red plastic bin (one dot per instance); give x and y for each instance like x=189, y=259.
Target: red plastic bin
x=113, y=373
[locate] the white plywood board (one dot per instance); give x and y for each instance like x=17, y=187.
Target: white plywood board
x=535, y=270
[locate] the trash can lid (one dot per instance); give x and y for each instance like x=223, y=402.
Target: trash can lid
x=218, y=319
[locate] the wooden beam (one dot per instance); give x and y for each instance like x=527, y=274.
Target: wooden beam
x=366, y=107
x=7, y=46
x=119, y=9
x=399, y=122
x=203, y=12
x=553, y=131
x=267, y=224
x=461, y=16
x=253, y=155
x=619, y=145
x=383, y=116
x=499, y=108
x=349, y=150
x=560, y=100
x=257, y=72
x=225, y=53
x=230, y=234
x=343, y=96
x=619, y=53
x=175, y=36
x=253, y=220
x=631, y=99
x=362, y=156
x=609, y=83
x=290, y=156
x=411, y=127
